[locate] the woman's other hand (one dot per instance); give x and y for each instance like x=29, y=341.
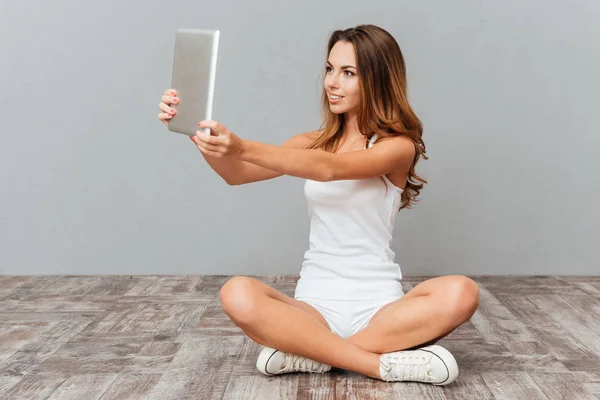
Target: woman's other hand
x=220, y=143
x=167, y=112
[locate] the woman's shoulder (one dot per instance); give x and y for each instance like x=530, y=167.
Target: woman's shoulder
x=302, y=139
x=314, y=135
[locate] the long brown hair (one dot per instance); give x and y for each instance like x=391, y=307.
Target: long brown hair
x=384, y=107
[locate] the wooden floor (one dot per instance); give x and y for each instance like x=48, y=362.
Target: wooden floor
x=151, y=337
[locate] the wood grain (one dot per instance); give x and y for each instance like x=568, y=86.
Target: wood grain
x=167, y=337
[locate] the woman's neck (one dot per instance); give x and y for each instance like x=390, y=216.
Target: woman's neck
x=350, y=129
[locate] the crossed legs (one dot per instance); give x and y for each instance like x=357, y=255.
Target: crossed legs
x=429, y=311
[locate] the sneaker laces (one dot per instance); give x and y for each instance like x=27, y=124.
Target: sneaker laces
x=298, y=363
x=407, y=367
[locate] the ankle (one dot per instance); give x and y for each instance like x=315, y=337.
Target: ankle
x=375, y=371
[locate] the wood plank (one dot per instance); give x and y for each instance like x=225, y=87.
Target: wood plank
x=148, y=365
x=498, y=325
x=466, y=331
x=45, y=316
x=131, y=386
x=522, y=285
x=569, y=318
x=414, y=390
x=56, y=302
x=36, y=387
x=468, y=386
x=50, y=284
x=182, y=319
x=255, y=387
x=351, y=385
x=6, y=383
x=15, y=335
x=201, y=369
x=588, y=289
x=113, y=286
x=581, y=278
x=561, y=386
x=163, y=285
x=114, y=319
x=9, y=283
x=552, y=337
x=485, y=356
x=83, y=387
x=158, y=349
x=511, y=385
x=588, y=309
x=245, y=363
x=150, y=318
x=34, y=352
x=162, y=337
x=317, y=386
x=80, y=365
x=117, y=344
x=590, y=380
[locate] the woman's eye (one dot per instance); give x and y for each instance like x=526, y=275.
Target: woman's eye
x=329, y=68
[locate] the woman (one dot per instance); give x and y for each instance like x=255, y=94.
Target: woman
x=349, y=310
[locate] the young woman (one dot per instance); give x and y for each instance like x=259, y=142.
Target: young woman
x=349, y=310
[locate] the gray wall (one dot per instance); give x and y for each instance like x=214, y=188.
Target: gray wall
x=93, y=183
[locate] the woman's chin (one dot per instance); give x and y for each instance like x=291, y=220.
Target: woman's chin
x=336, y=110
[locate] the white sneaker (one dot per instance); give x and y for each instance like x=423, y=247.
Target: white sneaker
x=430, y=364
x=273, y=362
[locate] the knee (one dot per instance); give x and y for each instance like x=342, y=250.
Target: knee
x=463, y=297
x=238, y=299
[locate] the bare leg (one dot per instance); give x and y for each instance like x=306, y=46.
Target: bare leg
x=277, y=324
x=430, y=311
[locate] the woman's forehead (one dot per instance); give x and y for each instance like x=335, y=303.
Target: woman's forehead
x=342, y=53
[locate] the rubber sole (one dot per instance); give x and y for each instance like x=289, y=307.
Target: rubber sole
x=447, y=358
x=263, y=360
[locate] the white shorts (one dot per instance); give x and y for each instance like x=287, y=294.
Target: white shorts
x=346, y=317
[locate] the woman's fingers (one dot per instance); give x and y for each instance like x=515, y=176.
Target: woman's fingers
x=206, y=151
x=169, y=94
x=206, y=148
x=165, y=108
x=214, y=126
x=170, y=99
x=164, y=117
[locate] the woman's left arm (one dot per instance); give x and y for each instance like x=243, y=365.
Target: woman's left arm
x=313, y=164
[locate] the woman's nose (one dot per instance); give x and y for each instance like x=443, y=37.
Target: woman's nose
x=332, y=83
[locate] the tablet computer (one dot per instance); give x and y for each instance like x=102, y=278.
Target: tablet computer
x=194, y=68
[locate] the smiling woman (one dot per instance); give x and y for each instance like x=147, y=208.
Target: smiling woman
x=365, y=94
x=349, y=309
x=347, y=86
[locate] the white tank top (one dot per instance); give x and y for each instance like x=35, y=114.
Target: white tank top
x=351, y=225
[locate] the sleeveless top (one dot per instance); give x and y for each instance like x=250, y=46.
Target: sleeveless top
x=351, y=225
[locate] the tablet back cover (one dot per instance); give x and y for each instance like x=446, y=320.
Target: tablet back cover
x=194, y=69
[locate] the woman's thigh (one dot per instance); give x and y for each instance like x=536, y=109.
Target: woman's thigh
x=273, y=293
x=427, y=287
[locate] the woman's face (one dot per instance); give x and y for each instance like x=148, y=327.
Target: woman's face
x=341, y=78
